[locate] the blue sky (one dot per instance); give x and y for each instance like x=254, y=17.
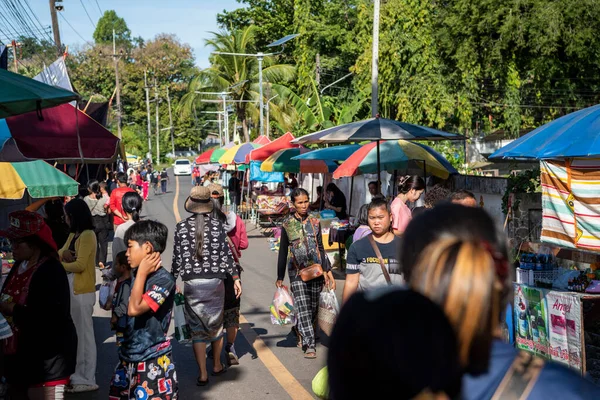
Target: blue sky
x=190, y=20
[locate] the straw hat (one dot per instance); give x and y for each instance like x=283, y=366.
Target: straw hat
x=216, y=190
x=199, y=200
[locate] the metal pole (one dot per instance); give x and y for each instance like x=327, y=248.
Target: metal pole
x=171, y=122
x=351, y=192
x=157, y=126
x=261, y=100
x=378, y=168
x=220, y=131
x=226, y=116
x=375, y=62
x=116, y=60
x=149, y=119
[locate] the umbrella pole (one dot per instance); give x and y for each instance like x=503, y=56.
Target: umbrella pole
x=351, y=192
x=378, y=168
x=425, y=173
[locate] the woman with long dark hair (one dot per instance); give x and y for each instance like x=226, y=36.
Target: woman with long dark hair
x=41, y=354
x=301, y=239
x=336, y=201
x=203, y=259
x=78, y=257
x=410, y=188
x=98, y=204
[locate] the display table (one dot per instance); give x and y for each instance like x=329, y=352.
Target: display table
x=560, y=326
x=271, y=210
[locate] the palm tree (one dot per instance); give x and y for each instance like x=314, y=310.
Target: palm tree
x=238, y=75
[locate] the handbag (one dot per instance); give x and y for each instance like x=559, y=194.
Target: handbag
x=381, y=263
x=312, y=271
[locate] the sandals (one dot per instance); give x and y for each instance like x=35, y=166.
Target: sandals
x=219, y=373
x=310, y=353
x=201, y=382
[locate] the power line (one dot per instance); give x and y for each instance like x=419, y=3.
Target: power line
x=99, y=9
x=88, y=14
x=74, y=30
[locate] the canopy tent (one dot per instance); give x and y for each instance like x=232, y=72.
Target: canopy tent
x=283, y=142
x=395, y=155
x=38, y=177
x=262, y=139
x=237, y=154
x=334, y=153
x=257, y=175
x=574, y=135
x=214, y=157
x=281, y=161
x=204, y=158
x=63, y=133
x=20, y=95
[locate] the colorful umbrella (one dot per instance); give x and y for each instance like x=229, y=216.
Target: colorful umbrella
x=204, y=158
x=20, y=95
x=262, y=139
x=574, y=135
x=283, y=142
x=281, y=161
x=214, y=157
x=334, y=153
x=38, y=177
x=394, y=154
x=237, y=154
x=63, y=133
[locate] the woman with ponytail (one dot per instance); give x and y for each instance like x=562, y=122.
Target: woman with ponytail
x=410, y=188
x=98, y=205
x=132, y=206
x=203, y=259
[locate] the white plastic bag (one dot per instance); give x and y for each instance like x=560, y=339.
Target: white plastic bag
x=182, y=329
x=106, y=293
x=282, y=308
x=329, y=308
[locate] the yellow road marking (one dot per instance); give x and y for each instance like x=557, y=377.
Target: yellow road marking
x=266, y=356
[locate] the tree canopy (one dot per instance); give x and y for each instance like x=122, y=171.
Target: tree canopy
x=104, y=30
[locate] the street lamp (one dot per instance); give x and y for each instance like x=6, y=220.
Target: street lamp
x=260, y=57
x=226, y=115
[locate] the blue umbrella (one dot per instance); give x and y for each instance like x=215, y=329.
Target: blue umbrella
x=335, y=153
x=574, y=135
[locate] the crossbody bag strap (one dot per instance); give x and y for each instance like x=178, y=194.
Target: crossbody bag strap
x=381, y=263
x=520, y=378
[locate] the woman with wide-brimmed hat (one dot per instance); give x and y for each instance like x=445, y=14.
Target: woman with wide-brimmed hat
x=203, y=259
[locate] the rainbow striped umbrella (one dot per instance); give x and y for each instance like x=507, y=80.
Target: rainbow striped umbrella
x=38, y=177
x=237, y=154
x=395, y=154
x=282, y=161
x=214, y=157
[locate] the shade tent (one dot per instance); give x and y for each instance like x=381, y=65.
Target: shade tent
x=204, y=158
x=262, y=139
x=261, y=154
x=282, y=161
x=237, y=154
x=334, y=153
x=20, y=95
x=63, y=133
x=39, y=178
x=574, y=135
x=216, y=155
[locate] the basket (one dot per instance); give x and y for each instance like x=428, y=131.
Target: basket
x=530, y=277
x=327, y=319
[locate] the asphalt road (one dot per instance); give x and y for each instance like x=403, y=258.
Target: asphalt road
x=270, y=364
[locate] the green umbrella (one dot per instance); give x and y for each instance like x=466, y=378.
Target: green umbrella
x=20, y=95
x=38, y=177
x=218, y=153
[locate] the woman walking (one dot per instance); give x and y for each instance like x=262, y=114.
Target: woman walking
x=78, y=257
x=41, y=354
x=307, y=267
x=201, y=255
x=410, y=188
x=372, y=261
x=98, y=204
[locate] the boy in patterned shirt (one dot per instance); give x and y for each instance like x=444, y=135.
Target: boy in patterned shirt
x=146, y=369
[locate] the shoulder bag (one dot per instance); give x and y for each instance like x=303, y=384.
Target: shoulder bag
x=381, y=263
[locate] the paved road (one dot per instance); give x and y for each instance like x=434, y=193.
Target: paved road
x=270, y=364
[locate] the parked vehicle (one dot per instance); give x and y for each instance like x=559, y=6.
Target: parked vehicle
x=182, y=166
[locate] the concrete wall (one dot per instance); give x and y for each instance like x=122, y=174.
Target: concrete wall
x=526, y=219
x=487, y=189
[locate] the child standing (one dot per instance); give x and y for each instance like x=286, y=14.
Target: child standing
x=146, y=186
x=146, y=368
x=118, y=321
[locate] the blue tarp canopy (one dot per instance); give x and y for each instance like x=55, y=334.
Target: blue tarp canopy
x=574, y=135
x=257, y=175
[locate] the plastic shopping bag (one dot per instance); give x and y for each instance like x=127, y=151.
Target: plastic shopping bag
x=282, y=308
x=182, y=329
x=329, y=308
x=320, y=384
x=105, y=295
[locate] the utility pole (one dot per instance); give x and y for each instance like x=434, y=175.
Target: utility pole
x=55, y=30
x=170, y=122
x=147, y=89
x=116, y=60
x=318, y=70
x=375, y=61
x=14, y=45
x=157, y=126
x=226, y=117
x=262, y=100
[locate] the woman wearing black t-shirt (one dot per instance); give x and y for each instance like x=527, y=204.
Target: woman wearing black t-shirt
x=336, y=202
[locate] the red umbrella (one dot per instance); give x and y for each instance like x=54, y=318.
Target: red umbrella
x=204, y=158
x=60, y=133
x=262, y=139
x=261, y=154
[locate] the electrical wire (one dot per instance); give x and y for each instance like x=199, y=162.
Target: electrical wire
x=99, y=9
x=88, y=14
x=74, y=30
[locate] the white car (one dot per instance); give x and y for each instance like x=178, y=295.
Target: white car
x=182, y=167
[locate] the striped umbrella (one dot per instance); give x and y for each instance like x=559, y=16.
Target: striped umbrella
x=237, y=154
x=395, y=154
x=204, y=158
x=38, y=177
x=282, y=161
x=214, y=157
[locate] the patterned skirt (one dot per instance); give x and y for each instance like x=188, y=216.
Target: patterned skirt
x=204, y=304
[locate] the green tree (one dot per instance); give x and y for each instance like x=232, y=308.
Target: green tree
x=104, y=30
